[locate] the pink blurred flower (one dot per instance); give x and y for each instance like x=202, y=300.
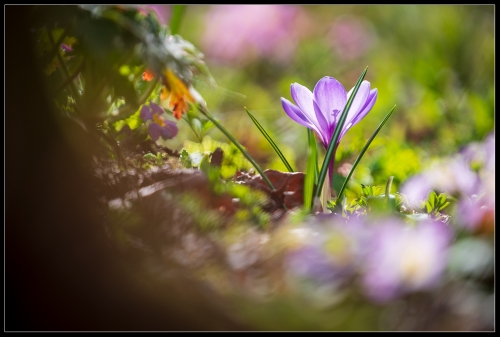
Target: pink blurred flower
x=477, y=212
x=351, y=37
x=403, y=259
x=242, y=33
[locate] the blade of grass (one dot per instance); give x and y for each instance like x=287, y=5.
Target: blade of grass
x=363, y=151
x=312, y=163
x=270, y=140
x=237, y=144
x=175, y=21
x=336, y=135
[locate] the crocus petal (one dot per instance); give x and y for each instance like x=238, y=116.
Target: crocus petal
x=370, y=102
x=303, y=97
x=169, y=130
x=297, y=115
x=155, y=131
x=145, y=113
x=155, y=108
x=330, y=96
x=324, y=125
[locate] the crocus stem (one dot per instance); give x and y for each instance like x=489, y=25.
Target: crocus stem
x=332, y=165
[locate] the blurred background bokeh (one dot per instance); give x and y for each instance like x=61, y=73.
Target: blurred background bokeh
x=435, y=62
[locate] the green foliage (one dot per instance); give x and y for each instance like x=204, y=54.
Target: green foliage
x=436, y=203
x=152, y=159
x=232, y=161
x=185, y=159
x=311, y=170
x=112, y=46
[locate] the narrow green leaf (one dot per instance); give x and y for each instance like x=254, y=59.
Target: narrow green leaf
x=270, y=140
x=175, y=21
x=432, y=198
x=443, y=206
x=441, y=198
x=364, y=150
x=237, y=144
x=312, y=163
x=336, y=135
x=428, y=207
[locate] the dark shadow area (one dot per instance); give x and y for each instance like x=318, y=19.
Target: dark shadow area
x=61, y=271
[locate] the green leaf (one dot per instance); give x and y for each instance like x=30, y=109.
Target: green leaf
x=432, y=199
x=149, y=156
x=271, y=142
x=336, y=135
x=185, y=159
x=356, y=162
x=175, y=21
x=443, y=206
x=312, y=161
x=441, y=199
x=429, y=207
x=205, y=163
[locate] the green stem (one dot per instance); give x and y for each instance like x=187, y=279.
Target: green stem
x=237, y=144
x=194, y=131
x=388, y=188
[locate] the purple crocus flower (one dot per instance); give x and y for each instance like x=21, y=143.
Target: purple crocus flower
x=159, y=127
x=320, y=110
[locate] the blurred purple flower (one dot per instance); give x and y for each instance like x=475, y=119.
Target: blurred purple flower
x=403, y=259
x=351, y=37
x=482, y=153
x=472, y=213
x=449, y=176
x=477, y=212
x=66, y=48
x=159, y=127
x=311, y=262
x=320, y=110
x=330, y=249
x=241, y=33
